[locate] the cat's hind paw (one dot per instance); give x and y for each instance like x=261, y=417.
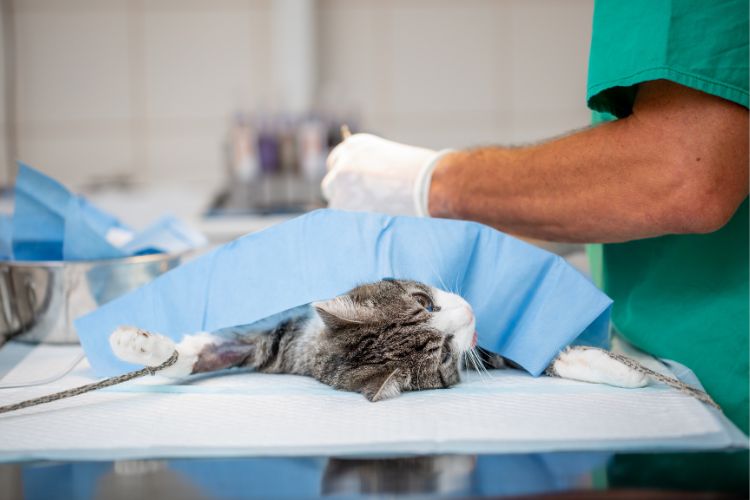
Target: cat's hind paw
x=136, y=346
x=595, y=366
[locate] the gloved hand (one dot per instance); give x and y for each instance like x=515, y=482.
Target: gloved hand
x=369, y=173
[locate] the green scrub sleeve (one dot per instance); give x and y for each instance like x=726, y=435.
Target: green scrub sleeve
x=697, y=43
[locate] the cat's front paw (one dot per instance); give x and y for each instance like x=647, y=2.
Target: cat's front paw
x=596, y=366
x=134, y=345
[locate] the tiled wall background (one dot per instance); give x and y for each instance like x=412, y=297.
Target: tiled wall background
x=4, y=153
x=145, y=88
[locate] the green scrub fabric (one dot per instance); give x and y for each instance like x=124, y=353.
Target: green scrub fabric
x=683, y=297
x=698, y=43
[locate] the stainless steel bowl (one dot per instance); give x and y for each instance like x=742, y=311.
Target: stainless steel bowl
x=40, y=300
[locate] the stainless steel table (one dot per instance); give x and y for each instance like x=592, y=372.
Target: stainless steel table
x=559, y=475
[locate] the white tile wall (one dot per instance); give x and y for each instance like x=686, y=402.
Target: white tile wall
x=549, y=43
x=351, y=58
x=448, y=74
x=4, y=129
x=73, y=102
x=446, y=57
x=146, y=87
x=200, y=64
x=73, y=65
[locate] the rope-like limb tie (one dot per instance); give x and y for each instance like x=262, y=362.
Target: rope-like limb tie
x=107, y=382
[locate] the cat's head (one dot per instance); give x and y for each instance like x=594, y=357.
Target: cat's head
x=395, y=335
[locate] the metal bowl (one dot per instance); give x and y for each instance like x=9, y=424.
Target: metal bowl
x=40, y=300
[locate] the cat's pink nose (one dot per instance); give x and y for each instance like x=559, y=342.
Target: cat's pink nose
x=469, y=312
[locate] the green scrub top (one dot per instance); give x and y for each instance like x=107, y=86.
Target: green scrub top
x=682, y=297
x=678, y=297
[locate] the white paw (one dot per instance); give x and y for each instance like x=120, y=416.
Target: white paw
x=593, y=365
x=137, y=346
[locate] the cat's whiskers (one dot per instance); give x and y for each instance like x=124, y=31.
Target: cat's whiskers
x=478, y=365
x=484, y=375
x=440, y=278
x=484, y=368
x=470, y=359
x=462, y=364
x=483, y=356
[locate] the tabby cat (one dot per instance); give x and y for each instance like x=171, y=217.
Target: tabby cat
x=379, y=339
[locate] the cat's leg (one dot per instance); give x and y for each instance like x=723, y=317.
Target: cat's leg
x=201, y=352
x=589, y=364
x=490, y=359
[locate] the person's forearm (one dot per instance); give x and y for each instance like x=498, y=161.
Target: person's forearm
x=583, y=187
x=622, y=180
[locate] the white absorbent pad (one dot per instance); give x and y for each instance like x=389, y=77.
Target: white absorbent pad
x=251, y=414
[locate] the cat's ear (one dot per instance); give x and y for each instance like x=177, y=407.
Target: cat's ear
x=385, y=386
x=341, y=311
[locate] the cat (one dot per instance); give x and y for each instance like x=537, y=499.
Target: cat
x=378, y=339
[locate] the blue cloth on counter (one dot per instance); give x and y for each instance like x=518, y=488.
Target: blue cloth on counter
x=528, y=303
x=51, y=223
x=38, y=216
x=85, y=235
x=167, y=232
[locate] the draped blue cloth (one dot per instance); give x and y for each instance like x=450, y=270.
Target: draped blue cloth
x=528, y=303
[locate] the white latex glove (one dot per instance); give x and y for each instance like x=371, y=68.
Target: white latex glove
x=369, y=173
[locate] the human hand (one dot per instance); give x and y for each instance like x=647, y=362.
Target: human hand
x=369, y=173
